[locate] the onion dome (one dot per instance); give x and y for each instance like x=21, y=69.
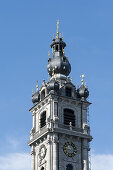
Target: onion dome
x=36, y=97
x=82, y=91
x=59, y=62
x=53, y=85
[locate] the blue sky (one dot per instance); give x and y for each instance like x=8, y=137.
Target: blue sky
x=26, y=31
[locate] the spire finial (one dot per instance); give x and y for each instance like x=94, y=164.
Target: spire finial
x=57, y=28
x=53, y=72
x=63, y=52
x=48, y=77
x=49, y=54
x=37, y=85
x=53, y=36
x=82, y=78
x=71, y=79
x=85, y=84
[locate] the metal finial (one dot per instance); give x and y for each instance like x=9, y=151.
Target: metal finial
x=37, y=85
x=53, y=72
x=63, y=52
x=82, y=78
x=48, y=77
x=60, y=35
x=49, y=54
x=43, y=82
x=57, y=28
x=46, y=83
x=85, y=84
x=71, y=79
x=53, y=36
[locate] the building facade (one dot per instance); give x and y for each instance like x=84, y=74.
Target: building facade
x=60, y=136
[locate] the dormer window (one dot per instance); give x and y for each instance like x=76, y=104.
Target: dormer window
x=43, y=119
x=42, y=94
x=68, y=92
x=60, y=47
x=56, y=47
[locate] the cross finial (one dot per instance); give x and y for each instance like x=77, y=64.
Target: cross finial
x=37, y=85
x=57, y=28
x=82, y=78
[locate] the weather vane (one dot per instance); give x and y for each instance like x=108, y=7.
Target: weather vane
x=57, y=28
x=82, y=78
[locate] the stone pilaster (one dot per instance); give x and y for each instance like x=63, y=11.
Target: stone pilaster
x=55, y=152
x=49, y=152
x=33, y=158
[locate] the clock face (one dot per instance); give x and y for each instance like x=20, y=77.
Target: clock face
x=42, y=152
x=69, y=149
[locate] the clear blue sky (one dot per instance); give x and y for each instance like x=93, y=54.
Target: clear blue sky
x=26, y=31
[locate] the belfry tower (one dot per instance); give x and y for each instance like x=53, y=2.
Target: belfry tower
x=60, y=136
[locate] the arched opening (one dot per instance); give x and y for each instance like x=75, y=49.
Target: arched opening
x=42, y=168
x=69, y=167
x=69, y=117
x=43, y=119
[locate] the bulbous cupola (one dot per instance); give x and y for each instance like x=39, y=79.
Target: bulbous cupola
x=35, y=97
x=82, y=91
x=59, y=62
x=53, y=85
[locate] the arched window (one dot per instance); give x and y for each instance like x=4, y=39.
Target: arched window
x=43, y=119
x=69, y=167
x=42, y=168
x=69, y=117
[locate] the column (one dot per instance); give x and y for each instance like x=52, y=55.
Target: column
x=33, y=158
x=55, y=152
x=85, y=155
x=48, y=152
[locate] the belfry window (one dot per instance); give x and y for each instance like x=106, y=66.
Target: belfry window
x=69, y=167
x=68, y=92
x=69, y=117
x=42, y=168
x=43, y=119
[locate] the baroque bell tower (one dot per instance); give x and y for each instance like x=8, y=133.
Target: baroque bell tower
x=60, y=136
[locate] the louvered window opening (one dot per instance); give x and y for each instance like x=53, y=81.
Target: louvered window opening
x=43, y=119
x=69, y=117
x=68, y=92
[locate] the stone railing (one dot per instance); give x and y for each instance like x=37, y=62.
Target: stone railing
x=68, y=127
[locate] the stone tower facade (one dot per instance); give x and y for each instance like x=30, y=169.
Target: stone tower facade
x=60, y=136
